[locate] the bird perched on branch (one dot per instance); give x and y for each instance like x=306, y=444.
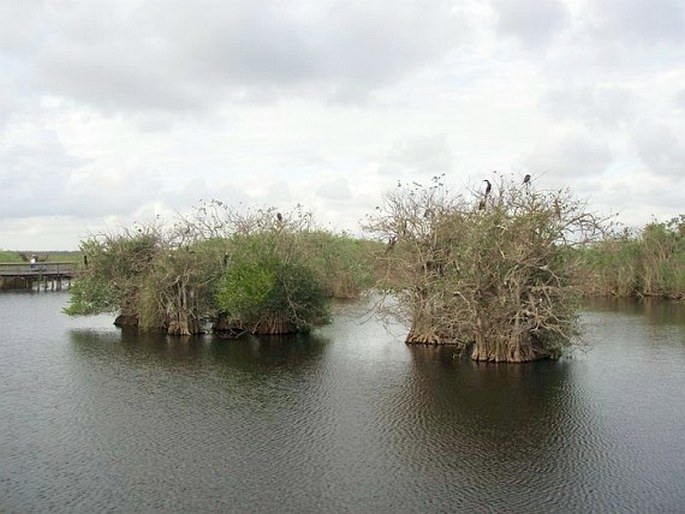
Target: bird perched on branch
x=488, y=187
x=279, y=217
x=526, y=179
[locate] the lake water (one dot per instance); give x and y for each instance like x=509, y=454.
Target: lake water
x=349, y=419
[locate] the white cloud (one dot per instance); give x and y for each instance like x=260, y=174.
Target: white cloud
x=112, y=111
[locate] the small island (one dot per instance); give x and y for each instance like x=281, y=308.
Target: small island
x=499, y=272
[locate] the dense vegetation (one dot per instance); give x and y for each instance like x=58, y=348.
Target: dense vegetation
x=498, y=273
x=493, y=274
x=257, y=271
x=650, y=262
x=269, y=288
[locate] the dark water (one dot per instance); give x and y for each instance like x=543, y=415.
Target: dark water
x=347, y=420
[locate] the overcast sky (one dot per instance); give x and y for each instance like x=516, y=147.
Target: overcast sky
x=118, y=110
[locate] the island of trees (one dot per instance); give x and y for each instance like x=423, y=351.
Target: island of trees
x=499, y=271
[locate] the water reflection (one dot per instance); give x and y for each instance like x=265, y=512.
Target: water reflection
x=496, y=429
x=246, y=353
x=348, y=419
x=654, y=310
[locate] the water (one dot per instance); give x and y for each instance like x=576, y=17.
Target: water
x=349, y=419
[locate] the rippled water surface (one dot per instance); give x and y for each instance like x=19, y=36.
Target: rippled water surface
x=349, y=419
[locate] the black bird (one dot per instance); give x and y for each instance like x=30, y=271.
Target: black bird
x=488, y=188
x=85, y=261
x=279, y=216
x=391, y=244
x=526, y=179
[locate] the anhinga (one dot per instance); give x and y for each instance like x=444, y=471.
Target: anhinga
x=488, y=187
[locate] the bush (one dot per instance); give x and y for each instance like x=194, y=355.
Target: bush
x=117, y=266
x=493, y=274
x=91, y=295
x=267, y=290
x=341, y=263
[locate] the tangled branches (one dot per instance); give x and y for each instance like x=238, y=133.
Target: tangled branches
x=493, y=274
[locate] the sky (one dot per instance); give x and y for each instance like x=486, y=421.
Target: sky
x=115, y=111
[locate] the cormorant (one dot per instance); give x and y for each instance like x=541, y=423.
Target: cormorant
x=488, y=187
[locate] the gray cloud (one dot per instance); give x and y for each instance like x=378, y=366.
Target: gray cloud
x=638, y=21
x=34, y=175
x=597, y=105
x=20, y=21
x=638, y=196
x=39, y=177
x=662, y=151
x=112, y=109
x=425, y=155
x=336, y=189
x=572, y=156
x=533, y=22
x=180, y=55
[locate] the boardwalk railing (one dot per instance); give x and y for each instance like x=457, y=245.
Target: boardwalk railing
x=49, y=270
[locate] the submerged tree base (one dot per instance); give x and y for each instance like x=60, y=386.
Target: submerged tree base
x=227, y=329
x=174, y=327
x=483, y=353
x=519, y=356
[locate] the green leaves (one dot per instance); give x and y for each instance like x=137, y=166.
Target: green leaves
x=267, y=279
x=90, y=295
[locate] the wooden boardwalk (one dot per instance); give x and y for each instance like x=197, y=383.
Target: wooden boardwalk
x=23, y=275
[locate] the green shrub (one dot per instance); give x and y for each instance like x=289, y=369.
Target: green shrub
x=268, y=289
x=91, y=295
x=650, y=262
